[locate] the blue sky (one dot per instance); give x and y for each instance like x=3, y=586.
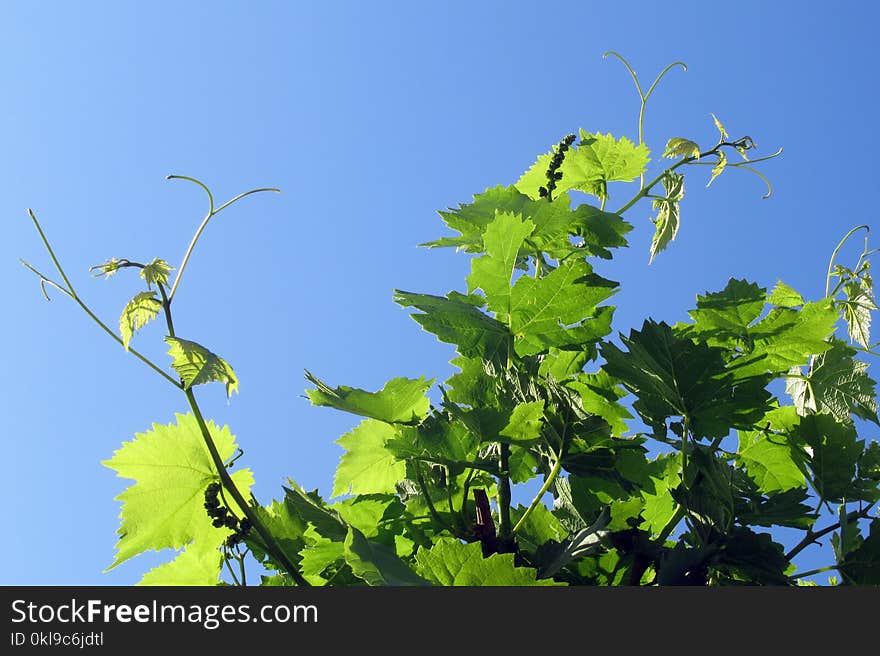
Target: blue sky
x=369, y=117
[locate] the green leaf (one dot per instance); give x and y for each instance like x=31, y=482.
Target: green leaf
x=597, y=160
x=156, y=273
x=787, y=337
x=377, y=564
x=599, y=394
x=196, y=365
x=435, y=440
x=453, y=321
x=318, y=556
x=559, y=309
x=451, y=563
x=199, y=564
x=139, y=311
x=309, y=508
x=753, y=558
x=560, y=364
x=371, y=513
x=668, y=216
x=675, y=377
x=730, y=312
x=837, y=383
x=493, y=272
x=718, y=169
x=164, y=508
x=526, y=422
x=401, y=401
x=681, y=147
x=554, y=224
x=836, y=451
x=784, y=296
x=862, y=565
x=367, y=467
x=857, y=310
x=770, y=461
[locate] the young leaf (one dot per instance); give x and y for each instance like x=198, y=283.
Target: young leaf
x=196, y=365
x=107, y=269
x=164, y=508
x=367, y=467
x=857, y=308
x=156, y=273
x=139, y=311
x=721, y=129
x=720, y=165
x=681, y=147
x=401, y=401
x=668, y=217
x=449, y=562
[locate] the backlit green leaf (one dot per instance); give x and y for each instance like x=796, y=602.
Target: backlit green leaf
x=668, y=217
x=367, y=467
x=681, y=147
x=139, y=311
x=199, y=563
x=720, y=165
x=720, y=127
x=493, y=272
x=559, y=309
x=597, y=160
x=156, y=273
x=196, y=365
x=784, y=296
x=171, y=467
x=452, y=563
x=402, y=400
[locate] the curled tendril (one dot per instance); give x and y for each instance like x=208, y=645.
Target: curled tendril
x=212, y=211
x=643, y=96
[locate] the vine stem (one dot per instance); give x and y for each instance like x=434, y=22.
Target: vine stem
x=211, y=214
x=230, y=486
x=835, y=251
x=812, y=535
x=71, y=292
x=801, y=575
x=557, y=467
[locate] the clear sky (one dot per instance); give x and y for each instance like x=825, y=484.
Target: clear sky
x=370, y=117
